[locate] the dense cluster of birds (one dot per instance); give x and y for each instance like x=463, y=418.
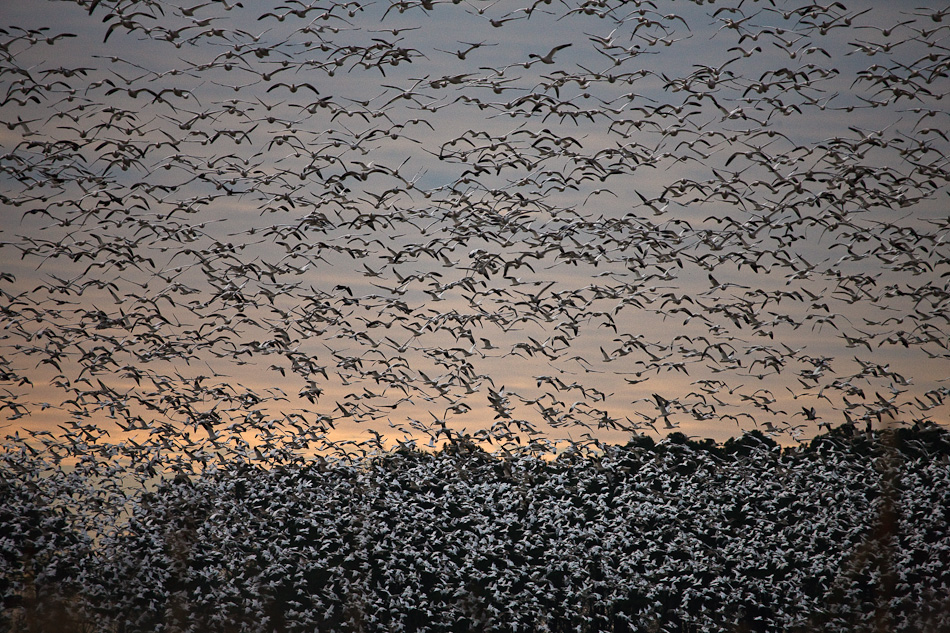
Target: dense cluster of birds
x=848, y=535
x=233, y=229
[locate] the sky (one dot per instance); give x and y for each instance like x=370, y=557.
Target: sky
x=297, y=225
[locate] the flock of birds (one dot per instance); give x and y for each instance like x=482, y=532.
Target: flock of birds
x=232, y=229
x=239, y=235
x=665, y=538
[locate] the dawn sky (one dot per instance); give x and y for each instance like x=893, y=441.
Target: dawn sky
x=303, y=223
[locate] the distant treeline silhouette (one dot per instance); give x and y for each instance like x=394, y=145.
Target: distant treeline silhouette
x=848, y=533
